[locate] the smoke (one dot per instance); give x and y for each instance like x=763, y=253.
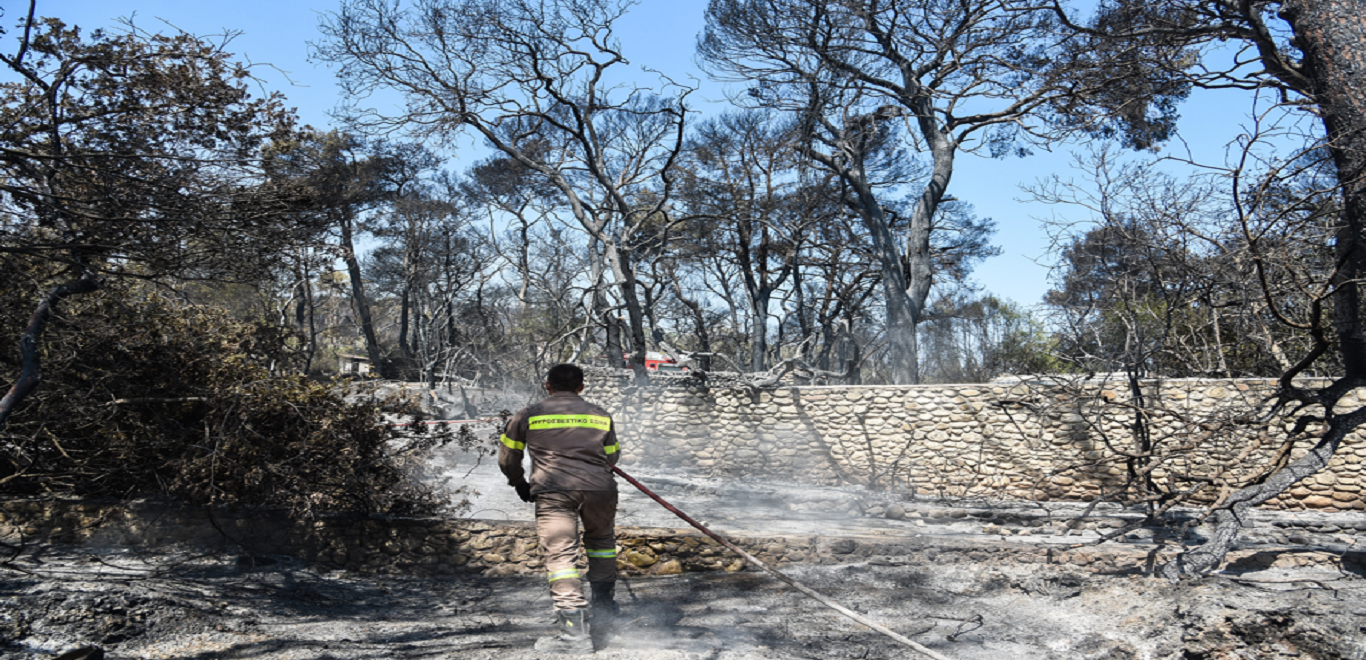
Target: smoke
x=747, y=500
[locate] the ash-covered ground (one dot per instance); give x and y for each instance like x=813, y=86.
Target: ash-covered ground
x=172, y=605
x=182, y=605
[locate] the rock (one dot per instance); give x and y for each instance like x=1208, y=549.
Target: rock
x=501, y=570
x=896, y=512
x=671, y=567
x=640, y=559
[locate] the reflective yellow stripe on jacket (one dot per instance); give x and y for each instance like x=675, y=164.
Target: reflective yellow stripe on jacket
x=513, y=444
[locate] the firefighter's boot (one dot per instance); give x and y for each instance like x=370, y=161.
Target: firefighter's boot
x=571, y=634
x=605, y=608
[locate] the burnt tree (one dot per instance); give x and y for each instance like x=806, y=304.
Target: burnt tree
x=874, y=80
x=131, y=155
x=534, y=81
x=1313, y=52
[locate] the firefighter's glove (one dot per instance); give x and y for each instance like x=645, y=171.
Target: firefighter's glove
x=524, y=492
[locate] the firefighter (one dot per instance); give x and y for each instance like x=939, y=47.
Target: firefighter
x=573, y=446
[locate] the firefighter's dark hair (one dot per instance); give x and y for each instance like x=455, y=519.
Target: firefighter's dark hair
x=564, y=378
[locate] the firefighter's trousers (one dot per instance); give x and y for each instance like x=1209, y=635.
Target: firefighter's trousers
x=557, y=525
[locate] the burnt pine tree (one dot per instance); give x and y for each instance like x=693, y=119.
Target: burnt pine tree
x=350, y=183
x=130, y=155
x=534, y=81
x=956, y=77
x=1142, y=57
x=745, y=185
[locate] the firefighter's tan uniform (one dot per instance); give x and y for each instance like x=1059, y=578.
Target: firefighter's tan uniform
x=572, y=444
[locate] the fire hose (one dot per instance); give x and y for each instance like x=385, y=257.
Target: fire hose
x=777, y=574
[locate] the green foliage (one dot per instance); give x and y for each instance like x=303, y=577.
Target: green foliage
x=149, y=398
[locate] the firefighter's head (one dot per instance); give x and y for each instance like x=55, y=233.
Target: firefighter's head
x=564, y=378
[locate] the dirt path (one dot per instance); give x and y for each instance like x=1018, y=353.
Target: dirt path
x=221, y=607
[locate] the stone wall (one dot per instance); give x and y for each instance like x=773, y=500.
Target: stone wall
x=418, y=546
x=1033, y=441
x=433, y=546
x=365, y=543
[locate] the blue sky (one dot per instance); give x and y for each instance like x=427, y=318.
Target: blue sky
x=657, y=33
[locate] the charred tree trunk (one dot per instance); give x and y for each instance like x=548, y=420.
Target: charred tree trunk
x=635, y=317
x=404, y=307
x=699, y=319
x=31, y=372
x=903, y=355
x=367, y=325
x=758, y=339
x=850, y=363
x=803, y=318
x=1332, y=35
x=312, y=345
x=304, y=315
x=760, y=284
x=410, y=275
x=601, y=310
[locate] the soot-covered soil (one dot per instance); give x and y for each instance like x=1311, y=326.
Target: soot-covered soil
x=201, y=607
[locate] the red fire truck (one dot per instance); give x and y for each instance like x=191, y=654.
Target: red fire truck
x=653, y=362
x=660, y=362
